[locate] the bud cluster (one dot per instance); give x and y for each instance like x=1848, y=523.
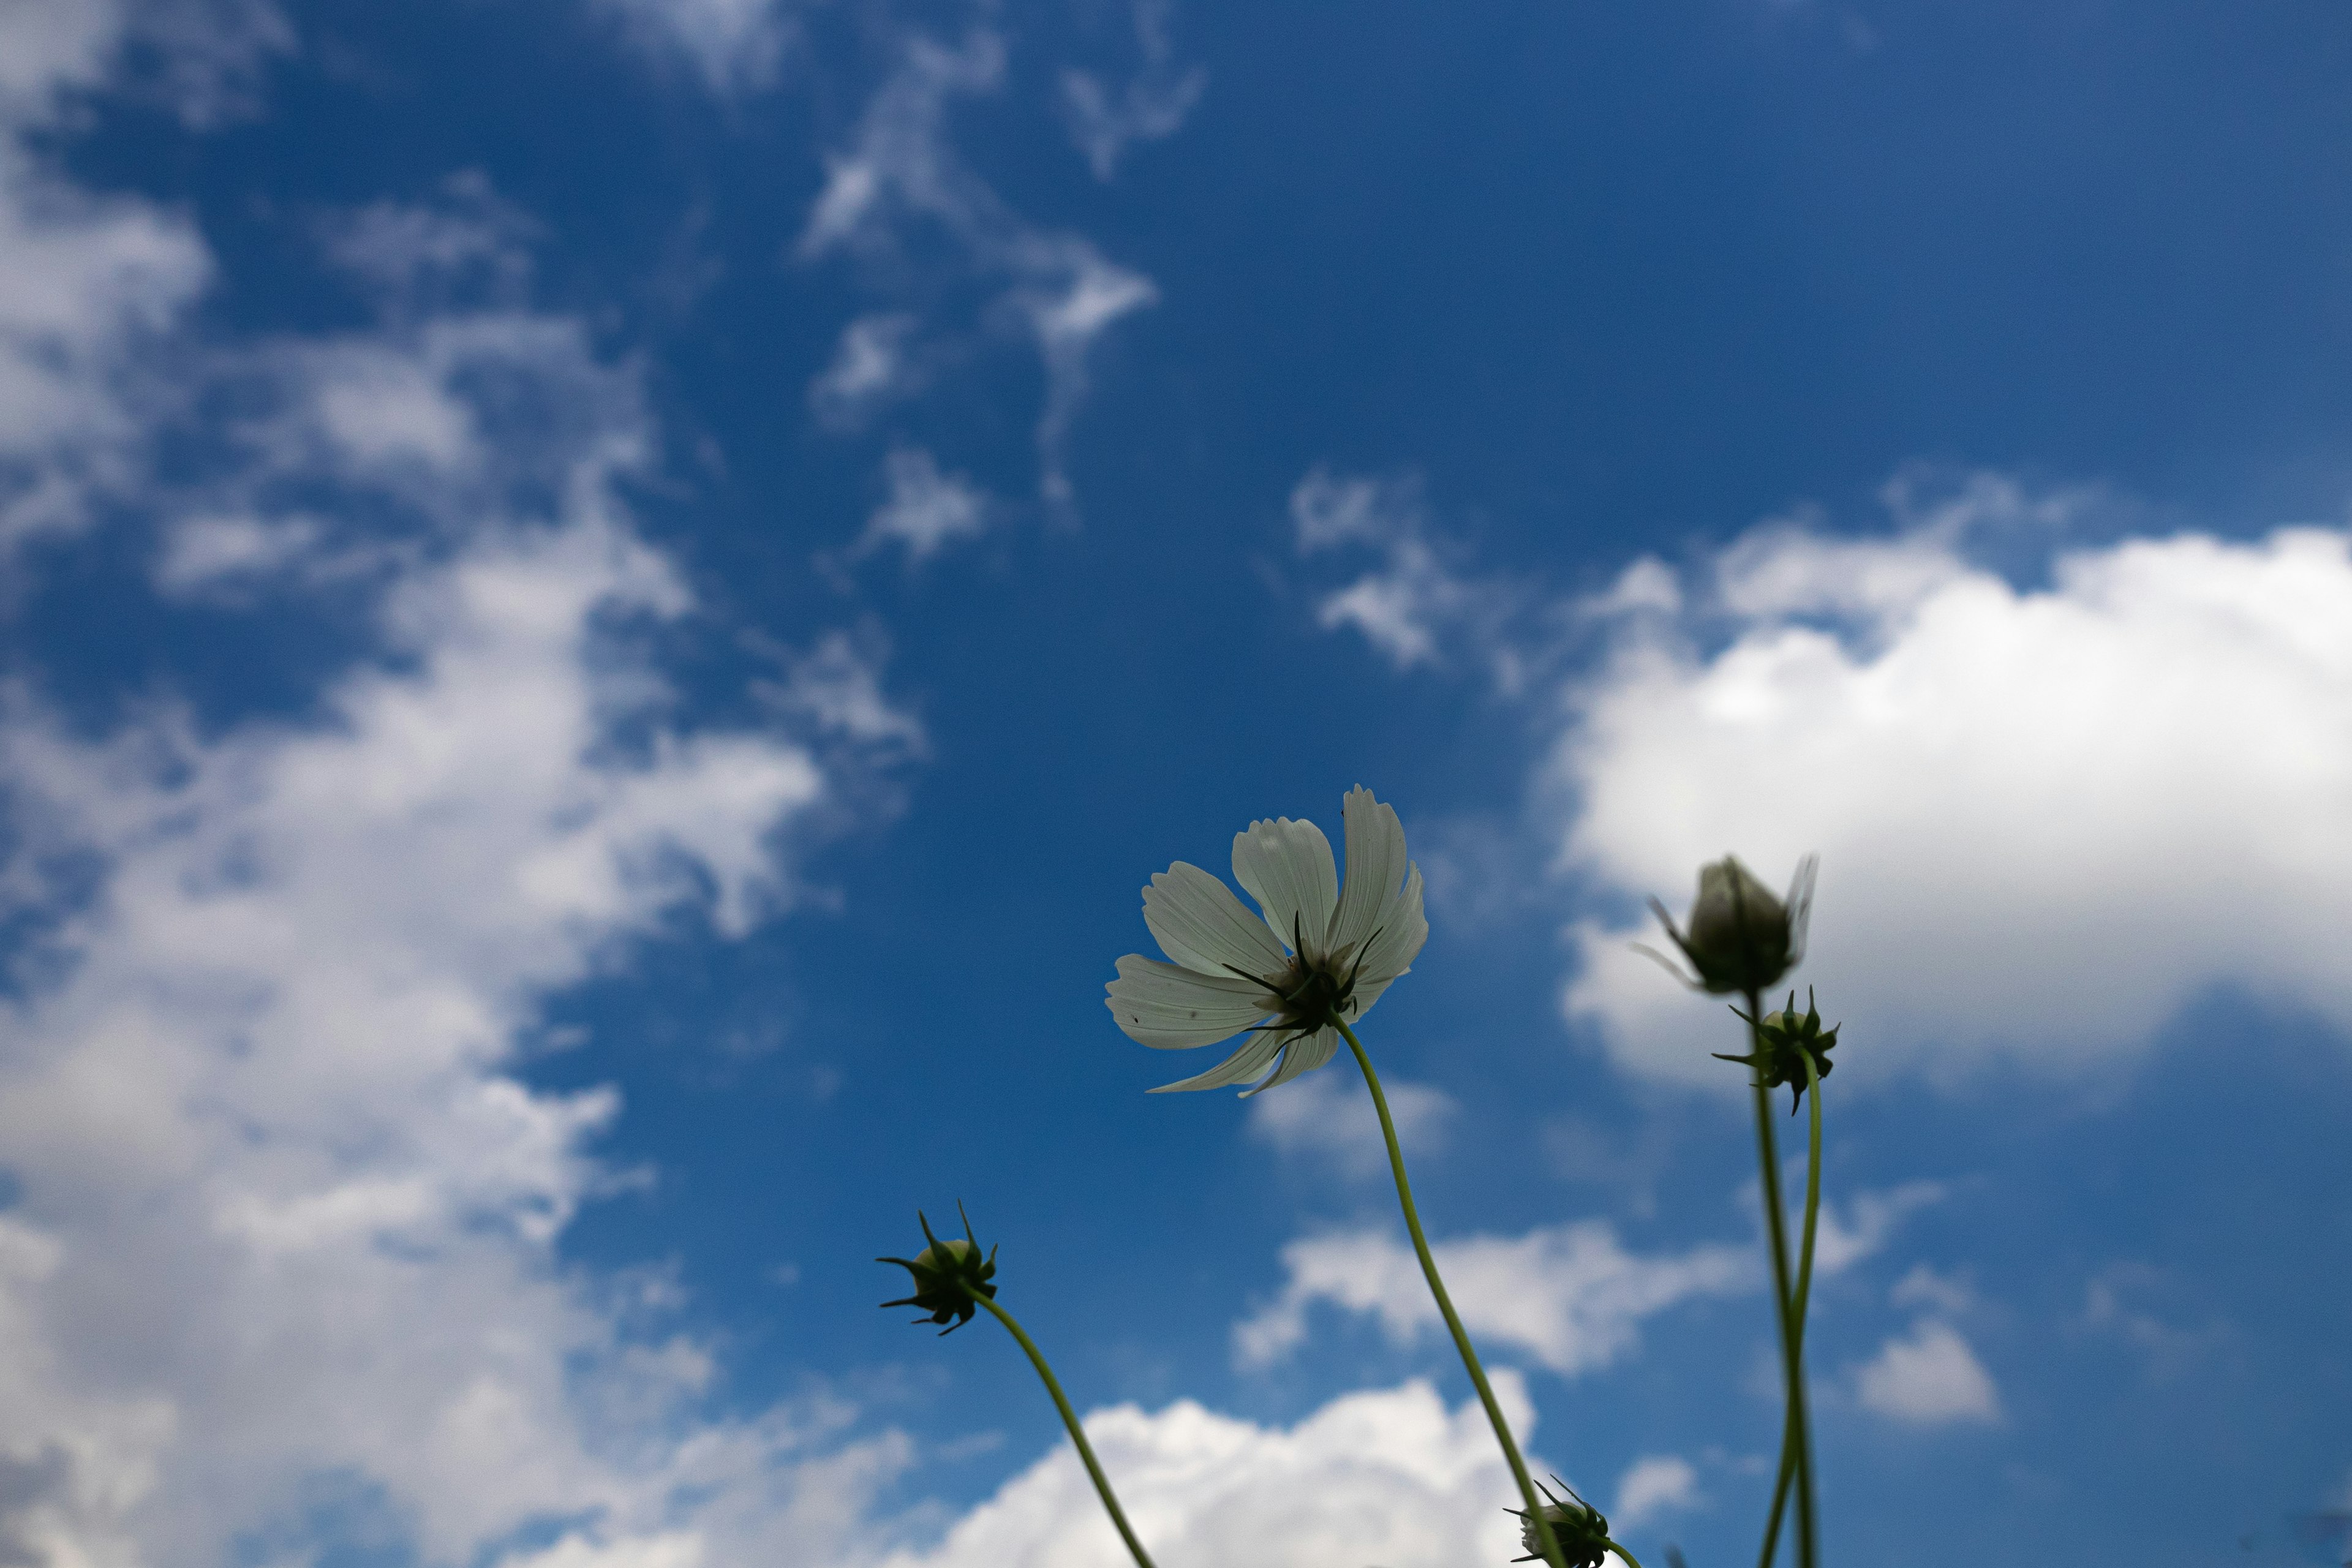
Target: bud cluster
x=1577, y=1526
x=1783, y=1041
x=950, y=1276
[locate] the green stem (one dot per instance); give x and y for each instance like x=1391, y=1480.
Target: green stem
x=1535, y=1514
x=1077, y=1433
x=1804, y=1295
x=1796, y=1445
x=1631, y=1560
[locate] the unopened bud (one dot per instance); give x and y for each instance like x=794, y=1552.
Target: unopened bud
x=950, y=1276
x=1742, y=938
x=1577, y=1526
x=1783, y=1041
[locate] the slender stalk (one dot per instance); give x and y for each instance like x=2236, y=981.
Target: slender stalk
x=1796, y=1445
x=1077, y=1433
x=1804, y=1295
x=1445, y=1306
x=1631, y=1560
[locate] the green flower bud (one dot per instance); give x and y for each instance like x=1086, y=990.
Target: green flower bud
x=950, y=1276
x=1741, y=938
x=1576, y=1525
x=1784, y=1040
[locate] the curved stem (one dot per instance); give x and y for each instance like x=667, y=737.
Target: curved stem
x=1077, y=1433
x=1796, y=1445
x=1804, y=1295
x=1631, y=1560
x=1535, y=1514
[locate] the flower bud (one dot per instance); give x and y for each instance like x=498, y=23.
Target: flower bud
x=1742, y=938
x=1783, y=1041
x=950, y=1276
x=1578, y=1527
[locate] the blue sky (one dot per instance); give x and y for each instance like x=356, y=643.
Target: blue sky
x=608, y=602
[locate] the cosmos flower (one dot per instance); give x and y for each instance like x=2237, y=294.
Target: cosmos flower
x=1321, y=954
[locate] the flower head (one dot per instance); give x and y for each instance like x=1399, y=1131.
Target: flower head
x=1783, y=1041
x=1321, y=952
x=1741, y=938
x=1579, y=1528
x=949, y=1276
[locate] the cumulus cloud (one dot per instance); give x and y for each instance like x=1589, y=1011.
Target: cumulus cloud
x=1570, y=1296
x=1383, y=1476
x=900, y=174
x=92, y=284
x=1928, y=1377
x=271, y=981
x=1328, y=1120
x=1659, y=1483
x=2048, y=816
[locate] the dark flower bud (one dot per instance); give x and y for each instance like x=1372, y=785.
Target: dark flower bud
x=1741, y=938
x=1783, y=1041
x=950, y=1276
x=1576, y=1525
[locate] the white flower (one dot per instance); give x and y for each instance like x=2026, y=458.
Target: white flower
x=1322, y=952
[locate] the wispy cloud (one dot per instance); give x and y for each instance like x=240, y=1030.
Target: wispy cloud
x=1570, y=1296
x=1573, y=1297
x=1416, y=605
x=926, y=510
x=1152, y=104
x=899, y=172
x=732, y=45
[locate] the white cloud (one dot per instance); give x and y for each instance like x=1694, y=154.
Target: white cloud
x=871, y=366
x=1660, y=1483
x=899, y=171
x=2048, y=817
x=1413, y=605
x=735, y=45
x=1328, y=1116
x=838, y=684
x=1153, y=104
x=926, y=509
x=1387, y=1477
x=1929, y=1378
x=265, y=1018
x=91, y=281
x=1868, y=1221
x=1570, y=1296
x=201, y=553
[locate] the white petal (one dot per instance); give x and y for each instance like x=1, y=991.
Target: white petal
x=1201, y=925
x=1286, y=866
x=1170, y=1009
x=1303, y=1056
x=1246, y=1063
x=1375, y=863
x=1403, y=929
